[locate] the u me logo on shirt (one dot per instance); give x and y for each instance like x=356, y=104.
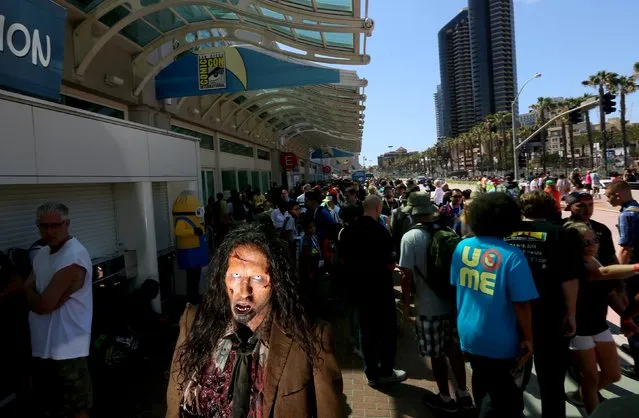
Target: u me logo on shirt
x=472, y=278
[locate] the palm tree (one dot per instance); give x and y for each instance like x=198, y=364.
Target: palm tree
x=601, y=81
x=541, y=108
x=586, y=97
x=477, y=132
x=562, y=106
x=490, y=126
x=500, y=119
x=469, y=145
x=635, y=70
x=625, y=85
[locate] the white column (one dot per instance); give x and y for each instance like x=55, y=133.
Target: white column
x=136, y=229
x=307, y=171
x=218, y=167
x=147, y=245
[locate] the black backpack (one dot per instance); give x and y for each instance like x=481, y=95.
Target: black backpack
x=439, y=258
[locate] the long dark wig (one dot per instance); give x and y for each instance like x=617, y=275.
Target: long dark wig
x=214, y=312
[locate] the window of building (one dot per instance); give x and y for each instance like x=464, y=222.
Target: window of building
x=91, y=107
x=263, y=155
x=208, y=185
x=235, y=148
x=206, y=141
x=255, y=180
x=243, y=179
x=229, y=180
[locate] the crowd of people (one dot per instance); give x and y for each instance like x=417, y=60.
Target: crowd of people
x=495, y=277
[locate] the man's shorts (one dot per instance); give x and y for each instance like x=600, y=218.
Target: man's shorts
x=62, y=388
x=435, y=334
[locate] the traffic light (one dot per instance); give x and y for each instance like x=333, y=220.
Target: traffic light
x=609, y=103
x=576, y=117
x=521, y=160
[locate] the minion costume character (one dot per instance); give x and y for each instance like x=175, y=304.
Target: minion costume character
x=192, y=249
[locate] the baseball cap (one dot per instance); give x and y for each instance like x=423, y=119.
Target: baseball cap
x=576, y=197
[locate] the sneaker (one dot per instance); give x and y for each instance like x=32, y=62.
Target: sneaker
x=464, y=401
x=396, y=377
x=629, y=372
x=435, y=401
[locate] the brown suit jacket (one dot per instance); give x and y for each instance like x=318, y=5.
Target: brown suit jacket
x=292, y=388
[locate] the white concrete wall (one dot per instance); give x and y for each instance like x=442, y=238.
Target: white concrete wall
x=44, y=143
x=207, y=158
x=237, y=162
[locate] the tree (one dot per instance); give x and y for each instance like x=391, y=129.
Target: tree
x=491, y=127
x=572, y=102
x=501, y=119
x=591, y=144
x=480, y=133
x=541, y=108
x=625, y=85
x=562, y=106
x=602, y=81
x=635, y=70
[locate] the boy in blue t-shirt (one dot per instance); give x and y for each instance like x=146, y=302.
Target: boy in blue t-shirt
x=494, y=289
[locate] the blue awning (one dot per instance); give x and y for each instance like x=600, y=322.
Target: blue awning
x=330, y=153
x=236, y=69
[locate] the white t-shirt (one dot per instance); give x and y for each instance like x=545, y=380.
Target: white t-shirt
x=278, y=218
x=413, y=252
x=66, y=332
x=439, y=196
x=534, y=185
x=289, y=225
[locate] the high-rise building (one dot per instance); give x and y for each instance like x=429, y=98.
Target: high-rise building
x=439, y=113
x=528, y=119
x=477, y=64
x=492, y=33
x=456, y=75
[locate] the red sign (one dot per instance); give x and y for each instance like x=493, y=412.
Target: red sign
x=288, y=160
x=327, y=169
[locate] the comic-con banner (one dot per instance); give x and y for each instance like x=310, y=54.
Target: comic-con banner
x=212, y=71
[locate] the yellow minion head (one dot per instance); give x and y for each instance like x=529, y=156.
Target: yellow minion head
x=188, y=205
x=191, y=244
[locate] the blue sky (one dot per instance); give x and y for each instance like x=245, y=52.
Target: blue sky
x=558, y=38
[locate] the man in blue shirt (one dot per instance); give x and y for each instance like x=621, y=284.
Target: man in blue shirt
x=494, y=289
x=619, y=194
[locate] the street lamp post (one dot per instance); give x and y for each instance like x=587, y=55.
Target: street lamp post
x=514, y=128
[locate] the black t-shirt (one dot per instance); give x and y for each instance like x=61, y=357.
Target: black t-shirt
x=554, y=257
x=367, y=249
x=592, y=301
x=351, y=212
x=389, y=205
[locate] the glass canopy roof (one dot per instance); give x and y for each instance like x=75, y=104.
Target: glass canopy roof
x=331, y=31
x=326, y=31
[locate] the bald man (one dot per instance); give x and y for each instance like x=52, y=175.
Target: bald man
x=367, y=249
x=619, y=194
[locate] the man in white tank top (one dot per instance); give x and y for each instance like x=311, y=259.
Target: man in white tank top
x=60, y=298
